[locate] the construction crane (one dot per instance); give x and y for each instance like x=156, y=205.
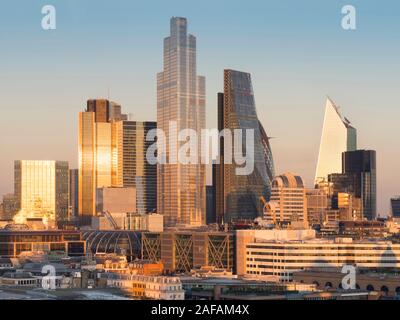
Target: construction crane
x=111, y=220
x=269, y=207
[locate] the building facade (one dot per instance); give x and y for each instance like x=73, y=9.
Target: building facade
x=238, y=196
x=41, y=189
x=180, y=106
x=95, y=152
x=279, y=260
x=362, y=165
x=395, y=205
x=288, y=200
x=73, y=194
x=337, y=137
x=131, y=168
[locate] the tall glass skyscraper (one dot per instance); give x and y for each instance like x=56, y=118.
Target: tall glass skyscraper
x=95, y=152
x=41, y=188
x=181, y=99
x=238, y=196
x=337, y=137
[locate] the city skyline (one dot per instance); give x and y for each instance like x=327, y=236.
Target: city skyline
x=43, y=142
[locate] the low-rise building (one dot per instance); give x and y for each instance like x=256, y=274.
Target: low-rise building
x=148, y=287
x=279, y=259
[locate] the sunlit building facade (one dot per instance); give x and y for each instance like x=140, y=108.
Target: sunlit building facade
x=238, y=196
x=181, y=99
x=41, y=188
x=130, y=166
x=95, y=152
x=337, y=137
x=289, y=199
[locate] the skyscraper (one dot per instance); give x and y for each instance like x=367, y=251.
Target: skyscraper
x=41, y=188
x=73, y=193
x=130, y=168
x=362, y=165
x=238, y=196
x=95, y=152
x=395, y=206
x=337, y=137
x=181, y=100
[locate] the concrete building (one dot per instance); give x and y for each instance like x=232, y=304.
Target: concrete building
x=288, y=200
x=148, y=287
x=387, y=284
x=278, y=260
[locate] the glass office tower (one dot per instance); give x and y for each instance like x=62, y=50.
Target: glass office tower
x=238, y=196
x=337, y=137
x=41, y=188
x=181, y=99
x=362, y=165
x=130, y=168
x=95, y=152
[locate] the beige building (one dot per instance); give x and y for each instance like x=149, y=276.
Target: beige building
x=262, y=257
x=288, y=200
x=149, y=287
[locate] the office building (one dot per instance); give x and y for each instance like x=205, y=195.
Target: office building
x=14, y=242
x=10, y=206
x=181, y=194
x=182, y=251
x=73, y=194
x=238, y=196
x=362, y=165
x=288, y=200
x=210, y=206
x=278, y=259
x=95, y=152
x=41, y=189
x=338, y=136
x=131, y=168
x=395, y=205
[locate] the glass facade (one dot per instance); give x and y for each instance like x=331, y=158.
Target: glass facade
x=181, y=99
x=42, y=188
x=362, y=164
x=238, y=196
x=131, y=169
x=96, y=153
x=337, y=137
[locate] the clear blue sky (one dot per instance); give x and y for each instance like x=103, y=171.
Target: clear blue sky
x=295, y=50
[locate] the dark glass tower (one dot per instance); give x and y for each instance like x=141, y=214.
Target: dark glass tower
x=362, y=164
x=238, y=196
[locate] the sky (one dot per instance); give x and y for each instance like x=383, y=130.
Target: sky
x=296, y=51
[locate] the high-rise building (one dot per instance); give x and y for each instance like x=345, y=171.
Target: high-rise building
x=42, y=188
x=181, y=191
x=238, y=196
x=395, y=205
x=288, y=199
x=95, y=152
x=131, y=168
x=73, y=193
x=10, y=206
x=337, y=137
x=362, y=165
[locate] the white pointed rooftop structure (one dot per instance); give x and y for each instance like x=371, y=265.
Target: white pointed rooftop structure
x=338, y=136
